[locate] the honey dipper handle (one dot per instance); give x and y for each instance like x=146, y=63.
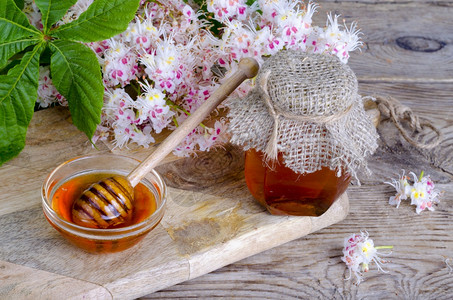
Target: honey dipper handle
x=248, y=68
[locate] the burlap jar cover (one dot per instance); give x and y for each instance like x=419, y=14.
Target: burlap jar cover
x=307, y=107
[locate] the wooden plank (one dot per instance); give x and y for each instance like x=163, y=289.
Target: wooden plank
x=234, y=225
x=12, y=197
x=311, y=267
x=218, y=231
x=19, y=282
x=404, y=40
x=432, y=102
x=211, y=177
x=28, y=240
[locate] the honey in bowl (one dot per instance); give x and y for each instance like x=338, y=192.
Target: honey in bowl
x=68, y=181
x=70, y=190
x=284, y=192
x=106, y=240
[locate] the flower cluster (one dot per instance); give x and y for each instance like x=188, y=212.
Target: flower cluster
x=420, y=190
x=169, y=61
x=47, y=93
x=358, y=252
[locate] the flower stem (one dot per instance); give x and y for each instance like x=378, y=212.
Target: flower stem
x=421, y=176
x=175, y=121
x=175, y=106
x=383, y=247
x=135, y=85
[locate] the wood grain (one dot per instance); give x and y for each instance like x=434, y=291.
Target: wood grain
x=311, y=267
x=28, y=283
x=202, y=230
x=407, y=41
x=407, y=55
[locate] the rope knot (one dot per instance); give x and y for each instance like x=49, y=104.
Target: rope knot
x=397, y=112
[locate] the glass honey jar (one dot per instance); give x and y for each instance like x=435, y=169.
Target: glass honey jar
x=305, y=132
x=284, y=192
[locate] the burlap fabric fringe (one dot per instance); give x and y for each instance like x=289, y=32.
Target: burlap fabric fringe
x=306, y=107
x=398, y=113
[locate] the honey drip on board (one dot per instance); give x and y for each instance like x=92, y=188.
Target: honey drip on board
x=284, y=192
x=68, y=192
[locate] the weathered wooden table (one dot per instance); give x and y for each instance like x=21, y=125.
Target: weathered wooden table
x=407, y=55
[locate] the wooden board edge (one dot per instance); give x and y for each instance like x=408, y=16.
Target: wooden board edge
x=293, y=227
x=20, y=282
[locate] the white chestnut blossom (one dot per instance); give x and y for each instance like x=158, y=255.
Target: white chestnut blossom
x=420, y=190
x=153, y=110
x=359, y=252
x=228, y=9
x=47, y=93
x=170, y=60
x=402, y=188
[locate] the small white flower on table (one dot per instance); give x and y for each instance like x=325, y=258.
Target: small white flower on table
x=359, y=252
x=421, y=191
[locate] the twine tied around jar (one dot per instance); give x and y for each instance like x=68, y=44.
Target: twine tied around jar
x=271, y=150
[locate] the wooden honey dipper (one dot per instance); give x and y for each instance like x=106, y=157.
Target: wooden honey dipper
x=109, y=202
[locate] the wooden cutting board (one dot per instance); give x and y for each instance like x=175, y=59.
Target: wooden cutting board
x=211, y=220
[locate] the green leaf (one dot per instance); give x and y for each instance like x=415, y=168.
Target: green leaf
x=102, y=20
x=45, y=57
x=18, y=93
x=14, y=24
x=8, y=49
x=199, y=2
x=9, y=66
x=76, y=74
x=20, y=4
x=53, y=10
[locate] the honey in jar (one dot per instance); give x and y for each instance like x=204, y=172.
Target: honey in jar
x=284, y=192
x=306, y=116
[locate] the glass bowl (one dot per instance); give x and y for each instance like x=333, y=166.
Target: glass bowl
x=98, y=240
